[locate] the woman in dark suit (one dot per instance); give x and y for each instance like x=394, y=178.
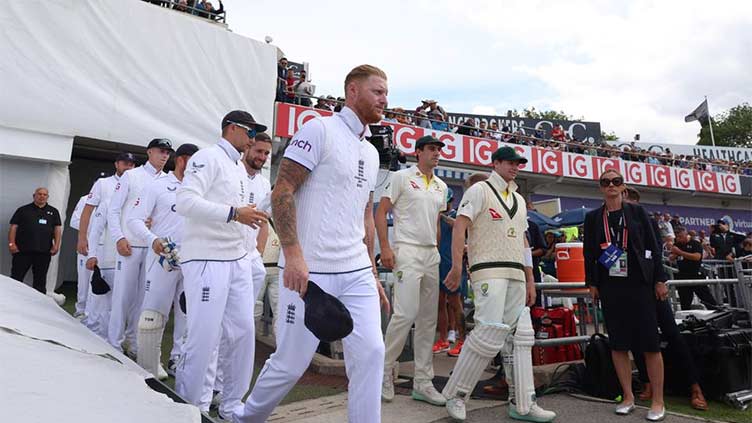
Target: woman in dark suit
x=622, y=268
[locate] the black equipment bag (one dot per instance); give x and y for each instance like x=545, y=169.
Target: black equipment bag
x=600, y=376
x=723, y=359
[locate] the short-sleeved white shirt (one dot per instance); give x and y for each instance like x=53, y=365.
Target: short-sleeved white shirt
x=331, y=202
x=416, y=206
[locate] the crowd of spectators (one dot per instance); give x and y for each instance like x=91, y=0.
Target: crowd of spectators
x=430, y=115
x=201, y=8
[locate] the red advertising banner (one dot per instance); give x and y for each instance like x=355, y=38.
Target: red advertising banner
x=477, y=151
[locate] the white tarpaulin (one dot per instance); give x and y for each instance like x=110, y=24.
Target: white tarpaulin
x=54, y=369
x=121, y=71
x=127, y=71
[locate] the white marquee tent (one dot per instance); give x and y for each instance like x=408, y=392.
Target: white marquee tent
x=114, y=72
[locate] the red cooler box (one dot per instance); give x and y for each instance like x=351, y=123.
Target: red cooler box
x=570, y=263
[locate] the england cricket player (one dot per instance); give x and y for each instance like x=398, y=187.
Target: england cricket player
x=102, y=252
x=417, y=197
x=494, y=215
x=164, y=280
x=130, y=268
x=217, y=273
x=258, y=188
x=82, y=273
x=323, y=213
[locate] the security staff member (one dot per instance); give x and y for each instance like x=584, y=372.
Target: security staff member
x=417, y=197
x=34, y=237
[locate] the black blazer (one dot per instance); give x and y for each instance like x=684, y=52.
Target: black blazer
x=641, y=236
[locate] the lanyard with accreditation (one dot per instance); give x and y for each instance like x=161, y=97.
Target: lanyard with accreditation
x=614, y=258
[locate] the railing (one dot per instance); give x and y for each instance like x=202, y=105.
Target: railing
x=191, y=10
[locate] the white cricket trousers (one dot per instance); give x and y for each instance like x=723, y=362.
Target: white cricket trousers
x=415, y=301
x=258, y=273
x=84, y=278
x=98, y=307
x=161, y=292
x=127, y=296
x=219, y=298
x=270, y=288
x=363, y=348
x=499, y=301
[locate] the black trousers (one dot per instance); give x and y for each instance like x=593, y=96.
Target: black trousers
x=679, y=352
x=686, y=294
x=38, y=262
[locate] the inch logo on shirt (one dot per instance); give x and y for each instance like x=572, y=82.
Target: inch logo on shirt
x=302, y=144
x=494, y=214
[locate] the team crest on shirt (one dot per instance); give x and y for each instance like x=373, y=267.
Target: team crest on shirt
x=494, y=214
x=117, y=187
x=91, y=194
x=399, y=276
x=484, y=289
x=511, y=233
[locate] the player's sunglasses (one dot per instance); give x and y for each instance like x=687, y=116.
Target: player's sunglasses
x=250, y=131
x=604, y=182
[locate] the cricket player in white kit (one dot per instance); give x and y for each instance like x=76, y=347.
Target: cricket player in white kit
x=417, y=197
x=216, y=267
x=495, y=217
x=130, y=268
x=101, y=254
x=258, y=188
x=164, y=281
x=323, y=213
x=83, y=274
x=96, y=202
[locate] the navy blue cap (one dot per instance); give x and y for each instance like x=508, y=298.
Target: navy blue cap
x=160, y=143
x=126, y=157
x=325, y=316
x=99, y=286
x=186, y=149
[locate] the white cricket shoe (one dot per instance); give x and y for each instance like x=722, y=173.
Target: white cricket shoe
x=162, y=373
x=425, y=391
x=455, y=407
x=536, y=414
x=387, y=386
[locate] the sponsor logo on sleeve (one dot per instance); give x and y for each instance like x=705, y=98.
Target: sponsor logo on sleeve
x=302, y=144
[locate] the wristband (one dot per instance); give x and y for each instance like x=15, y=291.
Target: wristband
x=527, y=257
x=231, y=216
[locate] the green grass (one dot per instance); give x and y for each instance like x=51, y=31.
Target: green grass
x=299, y=393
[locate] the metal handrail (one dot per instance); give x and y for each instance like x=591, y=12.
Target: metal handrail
x=193, y=11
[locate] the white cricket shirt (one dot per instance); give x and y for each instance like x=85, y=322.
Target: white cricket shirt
x=127, y=191
x=158, y=202
x=331, y=203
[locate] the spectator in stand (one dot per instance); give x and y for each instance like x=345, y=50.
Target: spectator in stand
x=687, y=254
x=743, y=250
x=339, y=103
x=483, y=129
x=303, y=90
x=438, y=123
x=321, y=104
x=33, y=238
x=468, y=128
x=389, y=116
x=433, y=110
x=495, y=134
x=557, y=134
x=664, y=225
x=422, y=119
x=181, y=6
x=675, y=223
x=281, y=79
x=210, y=12
x=290, y=86
x=402, y=116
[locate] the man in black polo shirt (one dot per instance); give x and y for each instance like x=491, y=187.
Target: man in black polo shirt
x=34, y=237
x=688, y=255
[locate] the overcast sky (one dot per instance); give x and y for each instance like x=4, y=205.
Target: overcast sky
x=635, y=66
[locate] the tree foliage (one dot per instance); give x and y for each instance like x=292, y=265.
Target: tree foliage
x=610, y=136
x=731, y=129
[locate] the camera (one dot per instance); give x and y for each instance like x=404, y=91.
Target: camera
x=382, y=137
